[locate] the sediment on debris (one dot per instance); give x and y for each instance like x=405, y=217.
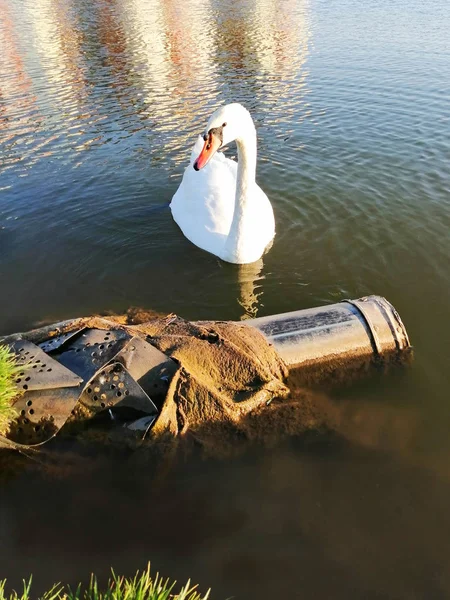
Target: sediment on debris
x=222, y=372
x=154, y=377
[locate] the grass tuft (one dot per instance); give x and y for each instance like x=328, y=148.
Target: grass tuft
x=140, y=587
x=56, y=592
x=9, y=370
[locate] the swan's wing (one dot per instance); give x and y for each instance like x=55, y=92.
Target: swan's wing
x=257, y=229
x=203, y=205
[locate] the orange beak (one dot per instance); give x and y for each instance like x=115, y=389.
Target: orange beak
x=210, y=147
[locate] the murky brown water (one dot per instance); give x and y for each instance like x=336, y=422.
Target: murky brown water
x=100, y=102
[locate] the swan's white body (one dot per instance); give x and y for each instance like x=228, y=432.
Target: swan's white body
x=220, y=208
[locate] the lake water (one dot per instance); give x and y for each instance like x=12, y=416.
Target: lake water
x=100, y=104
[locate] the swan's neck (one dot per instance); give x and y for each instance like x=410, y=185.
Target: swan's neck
x=245, y=183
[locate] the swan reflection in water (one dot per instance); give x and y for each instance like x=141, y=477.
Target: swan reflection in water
x=250, y=288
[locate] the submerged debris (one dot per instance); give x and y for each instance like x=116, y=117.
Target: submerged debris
x=212, y=382
x=176, y=375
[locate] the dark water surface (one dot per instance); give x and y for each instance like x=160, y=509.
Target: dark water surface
x=100, y=103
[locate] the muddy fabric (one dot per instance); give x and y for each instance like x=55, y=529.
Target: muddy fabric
x=226, y=370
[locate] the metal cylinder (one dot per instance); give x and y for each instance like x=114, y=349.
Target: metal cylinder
x=365, y=329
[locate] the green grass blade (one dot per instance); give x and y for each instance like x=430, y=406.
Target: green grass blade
x=9, y=369
x=140, y=587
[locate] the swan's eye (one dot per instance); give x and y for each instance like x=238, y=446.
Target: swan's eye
x=224, y=125
x=205, y=137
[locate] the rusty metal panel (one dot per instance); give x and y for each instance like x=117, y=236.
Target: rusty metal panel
x=150, y=367
x=115, y=366
x=42, y=414
x=40, y=371
x=91, y=350
x=56, y=342
x=113, y=386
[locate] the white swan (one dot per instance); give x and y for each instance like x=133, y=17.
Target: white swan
x=219, y=206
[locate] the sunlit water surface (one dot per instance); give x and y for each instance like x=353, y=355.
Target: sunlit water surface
x=100, y=103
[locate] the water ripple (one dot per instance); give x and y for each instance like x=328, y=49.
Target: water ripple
x=102, y=101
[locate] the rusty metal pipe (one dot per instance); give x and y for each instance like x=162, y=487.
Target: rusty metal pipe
x=365, y=329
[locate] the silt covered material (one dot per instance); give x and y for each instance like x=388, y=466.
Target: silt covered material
x=165, y=375
x=183, y=374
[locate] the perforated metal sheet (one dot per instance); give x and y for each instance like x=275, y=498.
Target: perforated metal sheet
x=90, y=351
x=121, y=372
x=113, y=386
x=56, y=342
x=150, y=367
x=40, y=371
x=42, y=414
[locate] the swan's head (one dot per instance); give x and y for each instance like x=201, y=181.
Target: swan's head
x=226, y=124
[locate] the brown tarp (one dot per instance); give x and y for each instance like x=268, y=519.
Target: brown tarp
x=226, y=370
